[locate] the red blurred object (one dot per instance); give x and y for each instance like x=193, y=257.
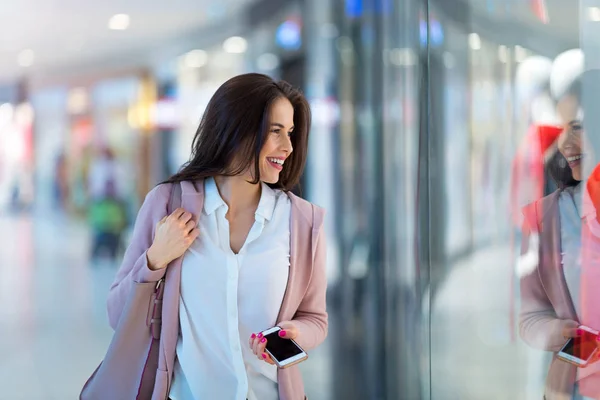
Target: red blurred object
x=540, y=9
x=527, y=176
x=593, y=188
x=547, y=135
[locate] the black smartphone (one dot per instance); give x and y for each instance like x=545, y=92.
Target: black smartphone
x=283, y=352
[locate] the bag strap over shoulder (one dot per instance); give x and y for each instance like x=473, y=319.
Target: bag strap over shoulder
x=174, y=198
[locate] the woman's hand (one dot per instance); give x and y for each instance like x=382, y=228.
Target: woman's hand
x=571, y=329
x=258, y=342
x=174, y=234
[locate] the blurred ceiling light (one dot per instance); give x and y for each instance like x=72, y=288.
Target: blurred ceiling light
x=235, y=45
x=503, y=54
x=474, y=41
x=449, y=60
x=404, y=57
x=520, y=54
x=289, y=35
x=594, y=14
x=195, y=59
x=267, y=62
x=26, y=58
x=119, y=22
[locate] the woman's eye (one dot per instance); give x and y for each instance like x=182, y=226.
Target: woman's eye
x=290, y=134
x=276, y=131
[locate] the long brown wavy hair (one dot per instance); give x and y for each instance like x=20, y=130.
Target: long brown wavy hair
x=235, y=126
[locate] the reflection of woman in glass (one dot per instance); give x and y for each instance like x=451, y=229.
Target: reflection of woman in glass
x=550, y=293
x=554, y=296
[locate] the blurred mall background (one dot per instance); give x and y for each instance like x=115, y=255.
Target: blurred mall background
x=418, y=113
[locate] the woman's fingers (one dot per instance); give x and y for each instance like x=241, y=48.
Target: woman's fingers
x=267, y=358
x=189, y=226
x=194, y=233
x=288, y=330
x=177, y=214
x=258, y=344
x=262, y=354
x=185, y=217
x=571, y=329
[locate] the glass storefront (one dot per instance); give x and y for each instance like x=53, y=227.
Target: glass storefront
x=435, y=99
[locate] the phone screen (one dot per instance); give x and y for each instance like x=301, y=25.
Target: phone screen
x=581, y=347
x=280, y=348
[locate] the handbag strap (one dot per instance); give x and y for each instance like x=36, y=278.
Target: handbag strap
x=174, y=198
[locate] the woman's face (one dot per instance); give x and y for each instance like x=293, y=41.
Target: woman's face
x=278, y=145
x=569, y=144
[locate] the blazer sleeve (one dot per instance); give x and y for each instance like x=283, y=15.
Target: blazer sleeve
x=311, y=317
x=134, y=267
x=539, y=326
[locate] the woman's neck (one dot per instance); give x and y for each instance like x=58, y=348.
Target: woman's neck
x=239, y=194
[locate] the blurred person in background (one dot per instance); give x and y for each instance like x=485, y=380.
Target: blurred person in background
x=561, y=250
x=249, y=254
x=103, y=169
x=61, y=181
x=107, y=216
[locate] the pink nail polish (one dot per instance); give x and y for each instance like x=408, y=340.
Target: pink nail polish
x=282, y=333
x=260, y=335
x=253, y=336
x=264, y=356
x=263, y=340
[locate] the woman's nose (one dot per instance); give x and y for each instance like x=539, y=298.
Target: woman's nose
x=287, y=147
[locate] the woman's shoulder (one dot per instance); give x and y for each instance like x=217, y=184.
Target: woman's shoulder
x=312, y=213
x=535, y=211
x=159, y=194
x=160, y=190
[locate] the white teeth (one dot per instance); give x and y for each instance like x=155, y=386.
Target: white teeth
x=574, y=158
x=276, y=160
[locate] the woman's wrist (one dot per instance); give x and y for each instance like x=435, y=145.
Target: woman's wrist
x=154, y=262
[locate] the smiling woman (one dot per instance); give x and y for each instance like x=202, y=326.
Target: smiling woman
x=243, y=255
x=252, y=125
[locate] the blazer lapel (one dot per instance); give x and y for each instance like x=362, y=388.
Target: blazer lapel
x=300, y=261
x=192, y=200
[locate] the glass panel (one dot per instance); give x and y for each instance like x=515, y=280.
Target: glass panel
x=494, y=131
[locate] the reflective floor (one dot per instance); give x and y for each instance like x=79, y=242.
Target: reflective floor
x=54, y=329
x=475, y=351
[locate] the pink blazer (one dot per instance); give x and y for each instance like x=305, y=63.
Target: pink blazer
x=546, y=301
x=545, y=298
x=303, y=302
